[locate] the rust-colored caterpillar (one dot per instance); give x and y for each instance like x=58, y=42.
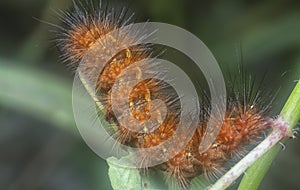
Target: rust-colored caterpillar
x=244, y=121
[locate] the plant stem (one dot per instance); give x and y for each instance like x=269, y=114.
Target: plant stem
x=283, y=127
x=291, y=114
x=291, y=109
x=248, y=160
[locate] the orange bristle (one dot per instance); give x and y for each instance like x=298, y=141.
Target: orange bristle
x=83, y=36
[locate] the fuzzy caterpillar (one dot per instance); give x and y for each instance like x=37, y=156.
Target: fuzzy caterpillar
x=244, y=120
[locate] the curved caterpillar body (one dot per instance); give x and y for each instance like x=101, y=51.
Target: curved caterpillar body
x=243, y=123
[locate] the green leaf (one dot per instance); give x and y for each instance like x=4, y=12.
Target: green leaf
x=199, y=183
x=123, y=177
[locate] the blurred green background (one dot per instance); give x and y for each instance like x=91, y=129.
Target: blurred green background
x=40, y=147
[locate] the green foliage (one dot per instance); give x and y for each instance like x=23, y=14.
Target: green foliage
x=130, y=178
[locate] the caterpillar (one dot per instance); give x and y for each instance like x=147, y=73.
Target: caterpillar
x=244, y=121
